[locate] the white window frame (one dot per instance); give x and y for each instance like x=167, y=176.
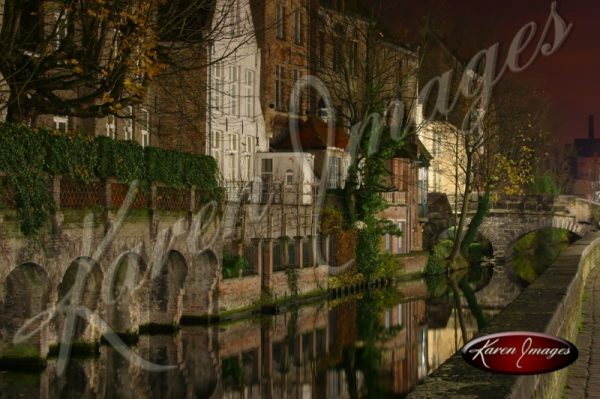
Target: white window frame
x=335, y=167
x=234, y=89
x=61, y=27
x=128, y=123
x=218, y=78
x=59, y=120
x=249, y=82
x=217, y=148
x=289, y=178
x=145, y=126
x=400, y=247
x=111, y=127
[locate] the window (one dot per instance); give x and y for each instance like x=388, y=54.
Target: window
x=306, y=250
x=277, y=263
x=61, y=27
x=145, y=127
x=61, y=123
x=289, y=178
x=279, y=88
x=216, y=140
x=399, y=315
x=423, y=182
x=233, y=142
x=292, y=254
x=267, y=178
x=298, y=26
x=235, y=21
x=337, y=54
x=353, y=56
x=217, y=147
x=111, y=127
x=128, y=123
x=321, y=57
x=280, y=22
x=388, y=319
x=233, y=146
x=234, y=86
x=334, y=173
x=233, y=166
x=249, y=111
x=388, y=243
x=296, y=77
x=400, y=247
x=217, y=96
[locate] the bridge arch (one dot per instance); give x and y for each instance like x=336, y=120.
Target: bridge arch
x=166, y=289
x=504, y=231
x=121, y=281
x=25, y=295
x=82, y=283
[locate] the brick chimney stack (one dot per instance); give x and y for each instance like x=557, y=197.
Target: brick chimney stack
x=591, y=127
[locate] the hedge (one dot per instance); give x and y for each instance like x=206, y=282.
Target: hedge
x=31, y=157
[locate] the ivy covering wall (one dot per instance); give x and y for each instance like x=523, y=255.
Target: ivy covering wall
x=31, y=157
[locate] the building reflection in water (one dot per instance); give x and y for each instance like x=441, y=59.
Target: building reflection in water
x=312, y=352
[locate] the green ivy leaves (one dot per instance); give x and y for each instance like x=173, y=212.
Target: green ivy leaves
x=31, y=157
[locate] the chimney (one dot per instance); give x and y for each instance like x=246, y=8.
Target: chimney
x=591, y=127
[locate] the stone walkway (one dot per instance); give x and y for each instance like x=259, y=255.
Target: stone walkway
x=584, y=375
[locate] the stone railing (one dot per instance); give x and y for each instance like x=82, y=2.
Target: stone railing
x=551, y=305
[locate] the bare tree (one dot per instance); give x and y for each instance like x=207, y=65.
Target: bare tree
x=92, y=58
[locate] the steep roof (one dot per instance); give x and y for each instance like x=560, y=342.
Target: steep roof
x=313, y=135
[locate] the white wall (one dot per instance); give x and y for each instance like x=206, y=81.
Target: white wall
x=236, y=130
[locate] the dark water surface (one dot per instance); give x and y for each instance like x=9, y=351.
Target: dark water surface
x=376, y=344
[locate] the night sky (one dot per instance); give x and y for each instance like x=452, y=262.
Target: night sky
x=570, y=78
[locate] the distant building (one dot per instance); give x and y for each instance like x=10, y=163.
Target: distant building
x=586, y=165
x=445, y=144
x=408, y=197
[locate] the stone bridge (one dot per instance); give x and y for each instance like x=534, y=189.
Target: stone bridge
x=144, y=268
x=511, y=217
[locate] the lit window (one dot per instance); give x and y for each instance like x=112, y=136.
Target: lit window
x=111, y=127
x=334, y=173
x=401, y=227
x=61, y=27
x=61, y=123
x=145, y=127
x=128, y=122
x=289, y=178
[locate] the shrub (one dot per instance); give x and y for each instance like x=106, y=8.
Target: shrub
x=234, y=265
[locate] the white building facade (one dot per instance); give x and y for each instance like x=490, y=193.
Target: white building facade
x=235, y=123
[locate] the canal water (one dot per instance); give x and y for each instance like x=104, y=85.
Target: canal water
x=374, y=344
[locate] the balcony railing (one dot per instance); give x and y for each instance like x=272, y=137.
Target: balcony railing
x=395, y=197
x=270, y=193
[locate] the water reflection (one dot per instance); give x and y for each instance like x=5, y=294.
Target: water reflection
x=378, y=344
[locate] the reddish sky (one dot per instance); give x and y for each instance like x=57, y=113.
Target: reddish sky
x=570, y=78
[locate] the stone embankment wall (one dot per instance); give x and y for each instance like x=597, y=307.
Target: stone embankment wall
x=551, y=305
